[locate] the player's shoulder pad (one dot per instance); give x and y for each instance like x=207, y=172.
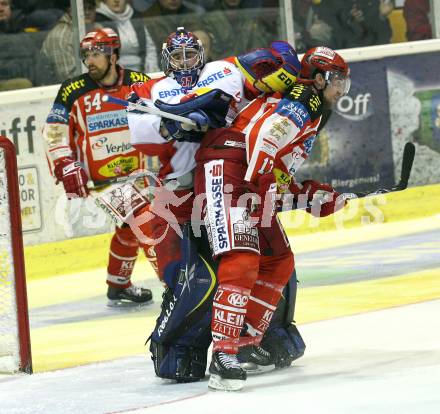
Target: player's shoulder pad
x=133, y=76
x=306, y=97
x=230, y=59
x=143, y=89
x=222, y=68
x=72, y=89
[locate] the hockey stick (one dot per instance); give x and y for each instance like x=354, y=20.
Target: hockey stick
x=409, y=152
x=148, y=109
x=94, y=185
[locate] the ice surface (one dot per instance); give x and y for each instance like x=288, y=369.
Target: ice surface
x=379, y=362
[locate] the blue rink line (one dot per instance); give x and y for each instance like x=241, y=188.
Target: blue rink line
x=371, y=260
x=86, y=309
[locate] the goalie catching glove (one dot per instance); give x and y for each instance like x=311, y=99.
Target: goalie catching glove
x=179, y=131
x=73, y=177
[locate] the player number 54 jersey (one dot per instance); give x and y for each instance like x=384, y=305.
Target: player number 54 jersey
x=82, y=126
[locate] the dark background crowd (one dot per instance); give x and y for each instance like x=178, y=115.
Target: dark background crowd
x=37, y=37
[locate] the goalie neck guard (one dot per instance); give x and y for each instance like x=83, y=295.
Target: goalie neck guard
x=183, y=57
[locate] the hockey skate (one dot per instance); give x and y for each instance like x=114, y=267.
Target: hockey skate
x=255, y=360
x=130, y=296
x=226, y=372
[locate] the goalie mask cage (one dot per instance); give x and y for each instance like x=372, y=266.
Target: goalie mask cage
x=15, y=350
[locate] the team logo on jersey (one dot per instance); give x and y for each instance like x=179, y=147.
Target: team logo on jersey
x=58, y=114
x=295, y=111
x=139, y=77
x=106, y=121
x=202, y=83
x=215, y=219
x=238, y=300
x=72, y=86
x=119, y=166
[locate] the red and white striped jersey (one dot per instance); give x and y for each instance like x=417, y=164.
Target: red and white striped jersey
x=177, y=158
x=279, y=131
x=82, y=126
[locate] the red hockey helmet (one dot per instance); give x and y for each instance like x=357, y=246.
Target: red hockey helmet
x=105, y=40
x=326, y=61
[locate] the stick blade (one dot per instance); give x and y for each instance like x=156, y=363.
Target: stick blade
x=409, y=153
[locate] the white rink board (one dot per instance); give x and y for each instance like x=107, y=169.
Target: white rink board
x=49, y=217
x=46, y=214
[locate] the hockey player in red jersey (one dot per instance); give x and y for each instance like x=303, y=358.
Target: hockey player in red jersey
x=88, y=139
x=256, y=159
x=187, y=76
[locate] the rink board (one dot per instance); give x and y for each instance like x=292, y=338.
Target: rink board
x=86, y=253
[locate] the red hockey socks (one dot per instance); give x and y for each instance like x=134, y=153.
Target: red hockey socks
x=263, y=301
x=228, y=313
x=122, y=257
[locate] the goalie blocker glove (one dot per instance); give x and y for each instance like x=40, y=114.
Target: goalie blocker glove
x=208, y=110
x=179, y=131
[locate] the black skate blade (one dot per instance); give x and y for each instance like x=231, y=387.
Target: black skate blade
x=127, y=304
x=254, y=369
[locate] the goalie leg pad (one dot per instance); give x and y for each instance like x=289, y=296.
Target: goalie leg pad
x=181, y=338
x=188, y=299
x=285, y=311
x=178, y=362
x=284, y=344
x=282, y=339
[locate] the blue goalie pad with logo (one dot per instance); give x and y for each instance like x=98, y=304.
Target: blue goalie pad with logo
x=282, y=339
x=182, y=335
